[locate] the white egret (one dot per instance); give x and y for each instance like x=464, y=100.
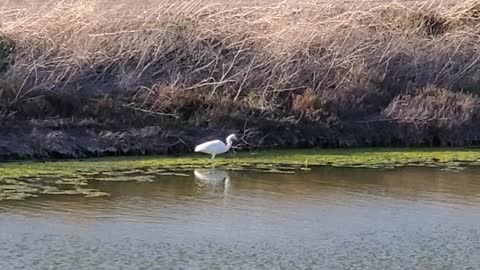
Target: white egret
x=216, y=147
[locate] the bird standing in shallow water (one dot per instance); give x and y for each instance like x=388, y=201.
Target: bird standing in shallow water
x=216, y=147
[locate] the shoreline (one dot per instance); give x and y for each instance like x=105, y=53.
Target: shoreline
x=24, y=179
x=361, y=157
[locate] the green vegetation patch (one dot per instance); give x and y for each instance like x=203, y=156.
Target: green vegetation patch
x=20, y=180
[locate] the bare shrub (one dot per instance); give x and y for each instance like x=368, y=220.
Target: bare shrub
x=310, y=106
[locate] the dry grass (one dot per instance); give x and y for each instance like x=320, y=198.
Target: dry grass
x=315, y=62
x=438, y=107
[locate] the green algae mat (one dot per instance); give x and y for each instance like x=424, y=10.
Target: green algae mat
x=21, y=180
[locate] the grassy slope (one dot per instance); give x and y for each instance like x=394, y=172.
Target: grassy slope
x=305, y=74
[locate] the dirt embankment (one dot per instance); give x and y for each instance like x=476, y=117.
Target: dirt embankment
x=78, y=81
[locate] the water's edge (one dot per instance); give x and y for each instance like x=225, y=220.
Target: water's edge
x=20, y=180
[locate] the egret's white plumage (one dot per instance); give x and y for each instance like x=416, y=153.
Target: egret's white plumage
x=216, y=147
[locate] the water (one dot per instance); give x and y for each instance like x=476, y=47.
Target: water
x=328, y=218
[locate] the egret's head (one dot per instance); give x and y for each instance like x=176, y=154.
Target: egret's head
x=232, y=137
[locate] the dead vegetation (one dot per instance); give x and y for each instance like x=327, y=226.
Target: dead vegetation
x=437, y=107
x=328, y=71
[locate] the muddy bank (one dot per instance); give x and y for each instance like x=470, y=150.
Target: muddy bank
x=67, y=138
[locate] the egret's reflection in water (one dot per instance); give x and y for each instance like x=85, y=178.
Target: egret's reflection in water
x=216, y=179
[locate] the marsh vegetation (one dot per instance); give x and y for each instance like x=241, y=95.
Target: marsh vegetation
x=77, y=79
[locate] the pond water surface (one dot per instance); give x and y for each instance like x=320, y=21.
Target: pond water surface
x=327, y=218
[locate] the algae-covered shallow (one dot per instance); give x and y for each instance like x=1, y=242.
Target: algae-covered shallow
x=19, y=180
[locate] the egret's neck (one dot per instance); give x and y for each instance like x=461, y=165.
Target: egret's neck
x=229, y=143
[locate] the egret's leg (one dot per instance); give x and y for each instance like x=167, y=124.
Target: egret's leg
x=211, y=160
